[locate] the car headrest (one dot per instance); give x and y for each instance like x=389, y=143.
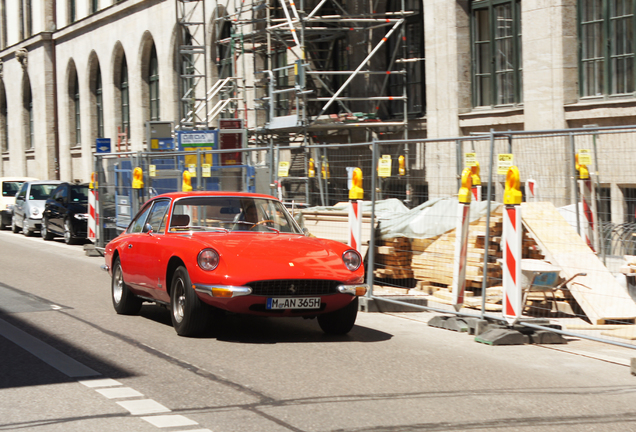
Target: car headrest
x=180, y=220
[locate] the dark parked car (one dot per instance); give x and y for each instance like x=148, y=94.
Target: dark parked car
x=66, y=213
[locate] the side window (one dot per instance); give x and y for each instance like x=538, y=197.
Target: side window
x=157, y=215
x=22, y=194
x=137, y=225
x=61, y=193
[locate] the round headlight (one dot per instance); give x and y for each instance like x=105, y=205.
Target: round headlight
x=352, y=259
x=208, y=259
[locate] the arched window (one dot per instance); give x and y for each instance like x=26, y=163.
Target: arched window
x=76, y=111
x=125, y=107
x=99, y=105
x=4, y=126
x=153, y=85
x=28, y=110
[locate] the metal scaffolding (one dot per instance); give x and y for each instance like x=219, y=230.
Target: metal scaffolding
x=193, y=112
x=320, y=71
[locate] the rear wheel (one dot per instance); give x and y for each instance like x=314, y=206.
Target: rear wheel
x=124, y=301
x=14, y=227
x=44, y=231
x=341, y=321
x=189, y=314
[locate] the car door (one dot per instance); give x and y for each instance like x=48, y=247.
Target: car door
x=20, y=203
x=57, y=209
x=141, y=255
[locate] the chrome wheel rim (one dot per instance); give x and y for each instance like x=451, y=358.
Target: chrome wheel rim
x=179, y=301
x=118, y=285
x=43, y=229
x=67, y=232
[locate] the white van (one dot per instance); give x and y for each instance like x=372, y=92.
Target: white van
x=9, y=186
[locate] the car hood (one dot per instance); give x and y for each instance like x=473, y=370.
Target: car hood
x=262, y=256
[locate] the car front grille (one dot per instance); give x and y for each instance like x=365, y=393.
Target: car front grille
x=293, y=287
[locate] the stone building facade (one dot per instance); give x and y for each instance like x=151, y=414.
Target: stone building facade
x=76, y=70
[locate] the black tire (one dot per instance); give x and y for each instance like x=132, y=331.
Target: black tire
x=124, y=301
x=68, y=233
x=25, y=231
x=341, y=321
x=14, y=227
x=189, y=314
x=44, y=231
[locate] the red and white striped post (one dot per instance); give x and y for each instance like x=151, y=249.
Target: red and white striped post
x=93, y=215
x=476, y=182
x=355, y=218
x=512, y=238
x=531, y=190
x=586, y=188
x=461, y=240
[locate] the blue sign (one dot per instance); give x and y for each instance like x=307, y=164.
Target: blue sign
x=102, y=145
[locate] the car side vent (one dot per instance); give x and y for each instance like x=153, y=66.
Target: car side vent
x=293, y=287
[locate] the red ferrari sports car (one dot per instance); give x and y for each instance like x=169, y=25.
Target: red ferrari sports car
x=196, y=252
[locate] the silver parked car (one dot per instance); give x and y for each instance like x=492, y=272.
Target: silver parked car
x=29, y=205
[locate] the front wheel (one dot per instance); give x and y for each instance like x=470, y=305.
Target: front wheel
x=25, y=228
x=341, y=321
x=44, y=231
x=189, y=314
x=14, y=228
x=124, y=301
x=68, y=233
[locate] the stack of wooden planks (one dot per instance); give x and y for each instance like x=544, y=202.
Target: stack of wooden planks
x=393, y=259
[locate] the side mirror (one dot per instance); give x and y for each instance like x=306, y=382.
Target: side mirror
x=148, y=228
x=306, y=231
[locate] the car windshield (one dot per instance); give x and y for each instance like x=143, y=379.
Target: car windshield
x=79, y=194
x=231, y=214
x=10, y=188
x=40, y=192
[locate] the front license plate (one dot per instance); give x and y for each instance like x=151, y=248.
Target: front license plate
x=293, y=303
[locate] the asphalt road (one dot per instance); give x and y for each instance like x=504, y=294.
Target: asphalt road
x=69, y=363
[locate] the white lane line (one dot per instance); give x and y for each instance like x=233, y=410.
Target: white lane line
x=45, y=352
x=95, y=383
x=166, y=421
x=142, y=407
x=119, y=392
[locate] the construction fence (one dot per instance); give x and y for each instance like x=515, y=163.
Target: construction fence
x=578, y=216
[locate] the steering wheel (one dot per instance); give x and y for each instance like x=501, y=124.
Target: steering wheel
x=261, y=223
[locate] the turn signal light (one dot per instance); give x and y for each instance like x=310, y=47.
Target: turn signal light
x=222, y=292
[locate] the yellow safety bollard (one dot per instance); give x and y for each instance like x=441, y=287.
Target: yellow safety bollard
x=311, y=172
x=356, y=192
x=584, y=173
x=138, y=178
x=186, y=184
x=93, y=182
x=401, y=165
x=475, y=174
x=464, y=190
x=512, y=193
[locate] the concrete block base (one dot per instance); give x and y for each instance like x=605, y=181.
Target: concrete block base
x=498, y=336
x=366, y=304
x=633, y=365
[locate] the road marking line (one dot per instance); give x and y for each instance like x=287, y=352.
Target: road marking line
x=145, y=406
x=95, y=383
x=165, y=421
x=119, y=392
x=45, y=352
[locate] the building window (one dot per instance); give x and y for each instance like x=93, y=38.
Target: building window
x=3, y=24
x=606, y=34
x=125, y=107
x=76, y=112
x=496, y=52
x=94, y=6
x=153, y=85
x=26, y=20
x=28, y=108
x=412, y=51
x=4, y=125
x=99, y=105
x=187, y=81
x=72, y=11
